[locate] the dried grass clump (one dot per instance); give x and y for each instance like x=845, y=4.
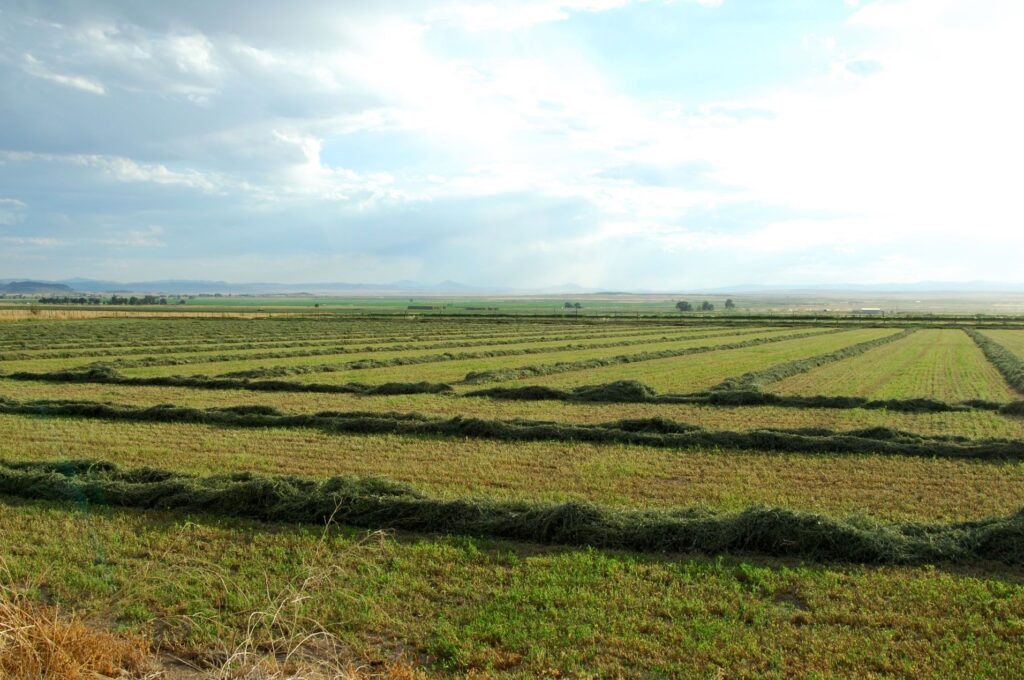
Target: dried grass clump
x=280, y=638
x=39, y=641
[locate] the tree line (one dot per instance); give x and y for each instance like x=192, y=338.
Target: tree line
x=113, y=300
x=684, y=306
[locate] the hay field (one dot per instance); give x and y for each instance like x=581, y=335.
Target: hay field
x=521, y=497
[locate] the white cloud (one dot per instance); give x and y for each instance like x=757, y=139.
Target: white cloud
x=912, y=136
x=122, y=169
x=34, y=241
x=11, y=211
x=509, y=15
x=150, y=237
x=925, y=148
x=36, y=68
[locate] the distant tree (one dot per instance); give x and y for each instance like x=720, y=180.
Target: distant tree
x=567, y=305
x=707, y=306
x=577, y=305
x=729, y=304
x=684, y=306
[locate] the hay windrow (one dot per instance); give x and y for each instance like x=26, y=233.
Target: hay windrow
x=618, y=392
x=653, y=432
x=631, y=391
x=377, y=504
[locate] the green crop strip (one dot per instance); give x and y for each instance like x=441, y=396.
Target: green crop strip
x=1008, y=363
x=755, y=380
x=320, y=347
x=654, y=432
x=108, y=376
x=503, y=375
x=305, y=369
x=375, y=503
x=450, y=344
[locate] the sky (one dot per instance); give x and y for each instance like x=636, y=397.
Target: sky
x=621, y=144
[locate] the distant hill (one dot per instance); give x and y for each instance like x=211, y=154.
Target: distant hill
x=35, y=288
x=456, y=288
x=191, y=287
x=918, y=287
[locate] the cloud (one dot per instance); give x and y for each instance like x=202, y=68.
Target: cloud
x=120, y=168
x=510, y=15
x=33, y=241
x=11, y=211
x=34, y=67
x=504, y=142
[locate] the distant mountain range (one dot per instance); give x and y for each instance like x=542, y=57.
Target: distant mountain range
x=34, y=288
x=917, y=287
x=196, y=287
x=405, y=287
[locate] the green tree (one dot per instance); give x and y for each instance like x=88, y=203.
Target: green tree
x=684, y=306
x=707, y=306
x=729, y=304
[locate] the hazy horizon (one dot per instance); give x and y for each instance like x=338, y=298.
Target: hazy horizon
x=611, y=144
x=451, y=288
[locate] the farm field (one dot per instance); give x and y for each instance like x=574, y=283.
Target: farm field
x=164, y=360
x=527, y=497
x=941, y=364
x=976, y=424
x=1011, y=340
x=628, y=476
x=456, y=371
x=694, y=373
x=519, y=610
x=487, y=354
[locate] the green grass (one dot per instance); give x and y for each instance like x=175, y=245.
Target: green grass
x=219, y=360
x=885, y=487
x=700, y=372
x=1011, y=340
x=490, y=607
x=449, y=370
x=942, y=364
x=462, y=606
x=973, y=424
